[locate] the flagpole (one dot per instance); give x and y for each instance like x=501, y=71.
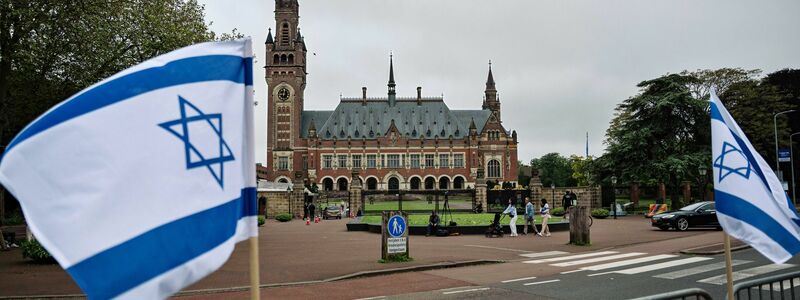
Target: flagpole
x=728, y=264
x=254, y=278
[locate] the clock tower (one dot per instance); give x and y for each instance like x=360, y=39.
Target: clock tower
x=286, y=81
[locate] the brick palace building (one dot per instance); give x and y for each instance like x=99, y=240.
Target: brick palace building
x=394, y=142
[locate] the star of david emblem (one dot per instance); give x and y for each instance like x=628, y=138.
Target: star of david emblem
x=196, y=126
x=732, y=161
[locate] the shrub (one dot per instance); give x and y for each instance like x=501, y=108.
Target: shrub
x=558, y=211
x=600, y=213
x=261, y=220
x=284, y=217
x=33, y=250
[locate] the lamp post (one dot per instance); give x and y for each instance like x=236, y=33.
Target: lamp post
x=553, y=188
x=791, y=163
x=614, y=188
x=775, y=127
x=702, y=170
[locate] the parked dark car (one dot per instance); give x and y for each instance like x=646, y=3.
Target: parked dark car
x=700, y=214
x=332, y=212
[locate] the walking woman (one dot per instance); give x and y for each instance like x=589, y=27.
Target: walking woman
x=545, y=212
x=512, y=212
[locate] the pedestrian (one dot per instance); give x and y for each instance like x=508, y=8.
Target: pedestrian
x=343, y=213
x=545, y=212
x=529, y=217
x=311, y=208
x=512, y=212
x=305, y=210
x=566, y=202
x=433, y=223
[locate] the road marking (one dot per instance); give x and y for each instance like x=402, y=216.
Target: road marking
x=654, y=267
x=540, y=282
x=573, y=271
x=747, y=273
x=497, y=248
x=543, y=254
x=628, y=262
x=571, y=257
x=699, y=269
x=518, y=279
x=596, y=259
x=372, y=298
x=465, y=291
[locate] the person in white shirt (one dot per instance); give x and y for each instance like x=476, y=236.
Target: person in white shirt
x=512, y=212
x=545, y=212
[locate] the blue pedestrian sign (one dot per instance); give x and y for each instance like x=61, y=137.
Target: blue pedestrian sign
x=784, y=155
x=396, y=226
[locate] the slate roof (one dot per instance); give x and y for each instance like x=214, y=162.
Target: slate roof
x=429, y=119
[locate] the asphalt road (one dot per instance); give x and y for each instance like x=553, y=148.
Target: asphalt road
x=611, y=274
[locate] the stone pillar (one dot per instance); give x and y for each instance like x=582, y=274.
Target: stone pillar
x=635, y=194
x=535, y=186
x=480, y=190
x=297, y=196
x=355, y=192
x=687, y=192
x=579, y=226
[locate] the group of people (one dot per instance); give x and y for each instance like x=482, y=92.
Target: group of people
x=308, y=210
x=530, y=215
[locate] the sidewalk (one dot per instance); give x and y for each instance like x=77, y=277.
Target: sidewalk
x=294, y=252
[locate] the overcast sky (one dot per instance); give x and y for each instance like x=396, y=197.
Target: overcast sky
x=560, y=66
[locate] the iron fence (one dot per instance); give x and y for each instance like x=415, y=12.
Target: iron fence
x=693, y=293
x=781, y=286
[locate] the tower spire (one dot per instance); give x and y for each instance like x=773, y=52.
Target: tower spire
x=490, y=79
x=391, y=84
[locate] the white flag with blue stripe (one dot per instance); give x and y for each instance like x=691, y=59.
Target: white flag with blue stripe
x=750, y=201
x=142, y=183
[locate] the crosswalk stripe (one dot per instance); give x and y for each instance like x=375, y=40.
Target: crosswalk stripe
x=699, y=269
x=465, y=291
x=543, y=254
x=662, y=265
x=540, y=282
x=627, y=262
x=571, y=257
x=596, y=259
x=518, y=279
x=747, y=273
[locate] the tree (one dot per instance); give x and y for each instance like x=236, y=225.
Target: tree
x=523, y=174
x=721, y=79
x=581, y=169
x=554, y=169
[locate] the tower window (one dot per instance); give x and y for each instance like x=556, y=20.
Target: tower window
x=285, y=34
x=276, y=59
x=291, y=58
x=283, y=58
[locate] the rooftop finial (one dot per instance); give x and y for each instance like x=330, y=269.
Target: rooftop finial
x=391, y=84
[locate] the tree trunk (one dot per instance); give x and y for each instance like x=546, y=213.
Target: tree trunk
x=579, y=226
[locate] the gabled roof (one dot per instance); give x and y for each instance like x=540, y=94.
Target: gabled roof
x=428, y=119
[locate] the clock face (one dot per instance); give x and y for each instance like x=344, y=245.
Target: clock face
x=283, y=94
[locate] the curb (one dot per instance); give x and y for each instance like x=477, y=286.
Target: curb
x=360, y=274
x=712, y=252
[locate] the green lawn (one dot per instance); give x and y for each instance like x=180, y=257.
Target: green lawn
x=461, y=219
x=415, y=205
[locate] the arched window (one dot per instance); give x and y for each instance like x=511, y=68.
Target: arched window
x=327, y=184
x=342, y=183
x=283, y=180
x=285, y=34
x=283, y=58
x=458, y=183
x=430, y=183
x=394, y=183
x=494, y=169
x=444, y=183
x=291, y=58
x=372, y=184
x=276, y=59
x=415, y=183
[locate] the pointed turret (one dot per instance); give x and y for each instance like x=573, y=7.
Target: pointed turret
x=269, y=37
x=490, y=80
x=391, y=84
x=490, y=100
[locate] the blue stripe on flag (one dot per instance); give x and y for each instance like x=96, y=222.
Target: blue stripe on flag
x=188, y=70
x=120, y=268
x=746, y=212
x=715, y=114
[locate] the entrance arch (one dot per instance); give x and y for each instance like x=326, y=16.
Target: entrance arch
x=458, y=183
x=342, y=184
x=372, y=184
x=444, y=183
x=415, y=183
x=394, y=183
x=430, y=183
x=327, y=184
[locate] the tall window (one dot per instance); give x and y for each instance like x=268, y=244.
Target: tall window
x=342, y=161
x=327, y=162
x=371, y=161
x=357, y=161
x=429, y=160
x=283, y=163
x=394, y=160
x=383, y=160
x=458, y=160
x=494, y=168
x=415, y=161
x=444, y=160
x=305, y=162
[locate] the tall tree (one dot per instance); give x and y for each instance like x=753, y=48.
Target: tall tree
x=554, y=169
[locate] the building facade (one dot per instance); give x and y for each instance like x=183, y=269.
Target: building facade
x=394, y=142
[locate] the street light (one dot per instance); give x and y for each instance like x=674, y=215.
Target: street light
x=775, y=127
x=553, y=188
x=791, y=163
x=703, y=170
x=614, y=188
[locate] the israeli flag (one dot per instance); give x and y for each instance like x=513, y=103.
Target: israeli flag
x=142, y=183
x=750, y=201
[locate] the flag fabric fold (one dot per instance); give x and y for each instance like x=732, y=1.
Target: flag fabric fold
x=142, y=183
x=750, y=202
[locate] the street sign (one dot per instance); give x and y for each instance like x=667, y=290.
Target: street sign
x=395, y=234
x=784, y=155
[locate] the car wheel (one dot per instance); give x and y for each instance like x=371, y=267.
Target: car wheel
x=682, y=224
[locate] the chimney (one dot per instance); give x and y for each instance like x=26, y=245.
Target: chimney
x=419, y=95
x=363, y=95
